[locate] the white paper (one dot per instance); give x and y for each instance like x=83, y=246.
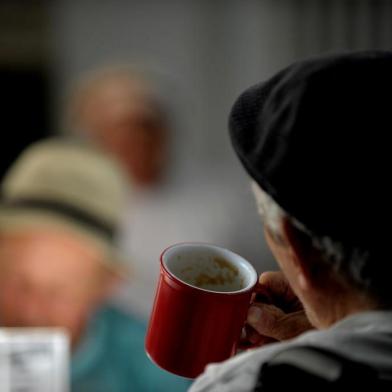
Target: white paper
x=34, y=360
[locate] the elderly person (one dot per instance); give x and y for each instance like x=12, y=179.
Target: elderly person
x=315, y=141
x=118, y=109
x=60, y=210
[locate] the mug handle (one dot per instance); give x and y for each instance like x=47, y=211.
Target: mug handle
x=245, y=343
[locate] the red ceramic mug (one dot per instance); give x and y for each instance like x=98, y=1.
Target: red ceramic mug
x=200, y=307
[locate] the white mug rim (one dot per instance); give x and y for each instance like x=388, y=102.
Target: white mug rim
x=242, y=261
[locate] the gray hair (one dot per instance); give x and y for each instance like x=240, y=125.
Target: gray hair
x=347, y=261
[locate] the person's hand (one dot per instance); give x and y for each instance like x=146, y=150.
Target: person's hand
x=275, y=314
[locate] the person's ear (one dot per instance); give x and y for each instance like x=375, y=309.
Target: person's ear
x=108, y=282
x=113, y=280
x=302, y=253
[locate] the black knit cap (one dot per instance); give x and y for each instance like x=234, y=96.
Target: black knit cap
x=317, y=138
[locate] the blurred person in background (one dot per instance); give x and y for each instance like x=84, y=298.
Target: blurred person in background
x=59, y=215
x=118, y=109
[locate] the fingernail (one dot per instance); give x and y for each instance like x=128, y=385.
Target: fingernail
x=254, y=315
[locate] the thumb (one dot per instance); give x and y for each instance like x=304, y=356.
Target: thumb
x=268, y=320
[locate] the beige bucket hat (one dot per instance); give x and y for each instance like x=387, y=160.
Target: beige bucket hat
x=66, y=185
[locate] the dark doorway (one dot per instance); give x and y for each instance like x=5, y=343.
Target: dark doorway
x=24, y=111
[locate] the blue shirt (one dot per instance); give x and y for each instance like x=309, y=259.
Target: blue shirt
x=111, y=358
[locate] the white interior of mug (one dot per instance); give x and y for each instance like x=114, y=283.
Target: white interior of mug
x=209, y=267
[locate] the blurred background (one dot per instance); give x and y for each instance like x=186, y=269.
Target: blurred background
x=205, y=53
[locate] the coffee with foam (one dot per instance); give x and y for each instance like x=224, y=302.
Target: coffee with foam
x=209, y=270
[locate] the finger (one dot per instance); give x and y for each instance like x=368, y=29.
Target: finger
x=273, y=288
x=272, y=322
x=263, y=318
x=271, y=277
x=261, y=295
x=293, y=324
x=256, y=339
x=274, y=283
x=252, y=339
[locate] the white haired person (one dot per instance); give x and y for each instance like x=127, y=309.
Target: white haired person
x=119, y=109
x=314, y=138
x=59, y=215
